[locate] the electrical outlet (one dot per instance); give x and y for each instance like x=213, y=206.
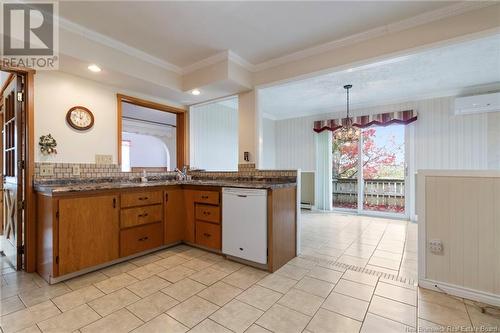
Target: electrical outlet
x=103, y=159
x=75, y=170
x=436, y=246
x=47, y=170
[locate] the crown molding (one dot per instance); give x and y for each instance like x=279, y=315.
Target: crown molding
x=117, y=45
x=428, y=17
x=241, y=61
x=214, y=59
x=441, y=13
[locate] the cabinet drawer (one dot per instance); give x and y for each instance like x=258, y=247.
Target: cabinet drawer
x=207, y=213
x=141, y=198
x=208, y=197
x=131, y=217
x=138, y=239
x=208, y=234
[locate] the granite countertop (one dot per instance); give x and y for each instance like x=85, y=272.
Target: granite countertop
x=71, y=187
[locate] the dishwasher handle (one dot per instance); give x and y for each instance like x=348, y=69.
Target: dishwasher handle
x=242, y=195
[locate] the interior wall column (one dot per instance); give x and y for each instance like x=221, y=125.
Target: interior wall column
x=248, y=122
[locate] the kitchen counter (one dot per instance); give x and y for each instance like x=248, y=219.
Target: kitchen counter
x=64, y=187
x=88, y=224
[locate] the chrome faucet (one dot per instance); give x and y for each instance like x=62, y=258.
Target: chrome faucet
x=181, y=175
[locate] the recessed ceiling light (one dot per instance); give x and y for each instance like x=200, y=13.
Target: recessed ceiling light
x=195, y=92
x=94, y=68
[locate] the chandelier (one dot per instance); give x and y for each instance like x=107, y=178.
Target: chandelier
x=347, y=132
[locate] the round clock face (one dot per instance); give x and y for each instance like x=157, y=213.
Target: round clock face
x=80, y=118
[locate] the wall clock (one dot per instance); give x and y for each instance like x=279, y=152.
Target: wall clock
x=80, y=118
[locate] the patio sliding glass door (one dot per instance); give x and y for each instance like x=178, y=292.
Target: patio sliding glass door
x=369, y=174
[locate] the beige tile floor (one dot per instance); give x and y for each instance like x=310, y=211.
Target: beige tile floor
x=184, y=289
x=383, y=245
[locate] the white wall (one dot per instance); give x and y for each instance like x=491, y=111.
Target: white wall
x=147, y=151
x=166, y=134
x=213, y=137
x=437, y=140
x=295, y=144
x=248, y=127
x=494, y=141
x=268, y=143
x=461, y=209
x=55, y=94
x=441, y=140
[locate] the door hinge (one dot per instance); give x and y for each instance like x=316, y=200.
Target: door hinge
x=20, y=96
x=21, y=164
x=57, y=214
x=20, y=250
x=57, y=260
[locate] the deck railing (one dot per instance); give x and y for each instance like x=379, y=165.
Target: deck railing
x=379, y=194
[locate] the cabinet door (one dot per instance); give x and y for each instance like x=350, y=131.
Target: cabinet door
x=189, y=199
x=175, y=215
x=88, y=232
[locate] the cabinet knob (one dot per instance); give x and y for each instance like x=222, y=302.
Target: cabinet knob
x=143, y=215
x=204, y=196
x=143, y=198
x=206, y=234
x=206, y=213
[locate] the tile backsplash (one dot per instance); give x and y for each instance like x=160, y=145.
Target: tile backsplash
x=88, y=171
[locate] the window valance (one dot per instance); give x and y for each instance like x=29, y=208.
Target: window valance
x=381, y=119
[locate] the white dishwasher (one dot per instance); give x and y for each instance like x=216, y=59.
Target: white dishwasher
x=244, y=223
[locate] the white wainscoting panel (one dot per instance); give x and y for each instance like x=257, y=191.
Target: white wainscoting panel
x=461, y=209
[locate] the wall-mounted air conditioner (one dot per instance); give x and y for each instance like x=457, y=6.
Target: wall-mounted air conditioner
x=477, y=104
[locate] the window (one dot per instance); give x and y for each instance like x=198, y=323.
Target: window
x=149, y=138
x=369, y=173
x=125, y=156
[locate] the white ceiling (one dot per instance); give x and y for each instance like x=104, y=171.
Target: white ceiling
x=142, y=113
x=183, y=33
x=445, y=71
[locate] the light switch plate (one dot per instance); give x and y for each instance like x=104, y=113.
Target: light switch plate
x=75, y=170
x=103, y=159
x=46, y=170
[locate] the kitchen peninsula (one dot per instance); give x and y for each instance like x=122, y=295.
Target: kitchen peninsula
x=86, y=225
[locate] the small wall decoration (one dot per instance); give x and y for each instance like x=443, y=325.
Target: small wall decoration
x=48, y=145
x=80, y=118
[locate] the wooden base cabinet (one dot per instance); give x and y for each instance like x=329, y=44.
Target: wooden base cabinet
x=142, y=238
x=78, y=231
x=88, y=232
x=175, y=215
x=203, y=217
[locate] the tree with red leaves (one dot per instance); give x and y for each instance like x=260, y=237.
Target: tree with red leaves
x=378, y=161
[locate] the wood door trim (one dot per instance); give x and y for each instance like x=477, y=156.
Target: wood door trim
x=149, y=104
x=30, y=204
x=180, y=129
